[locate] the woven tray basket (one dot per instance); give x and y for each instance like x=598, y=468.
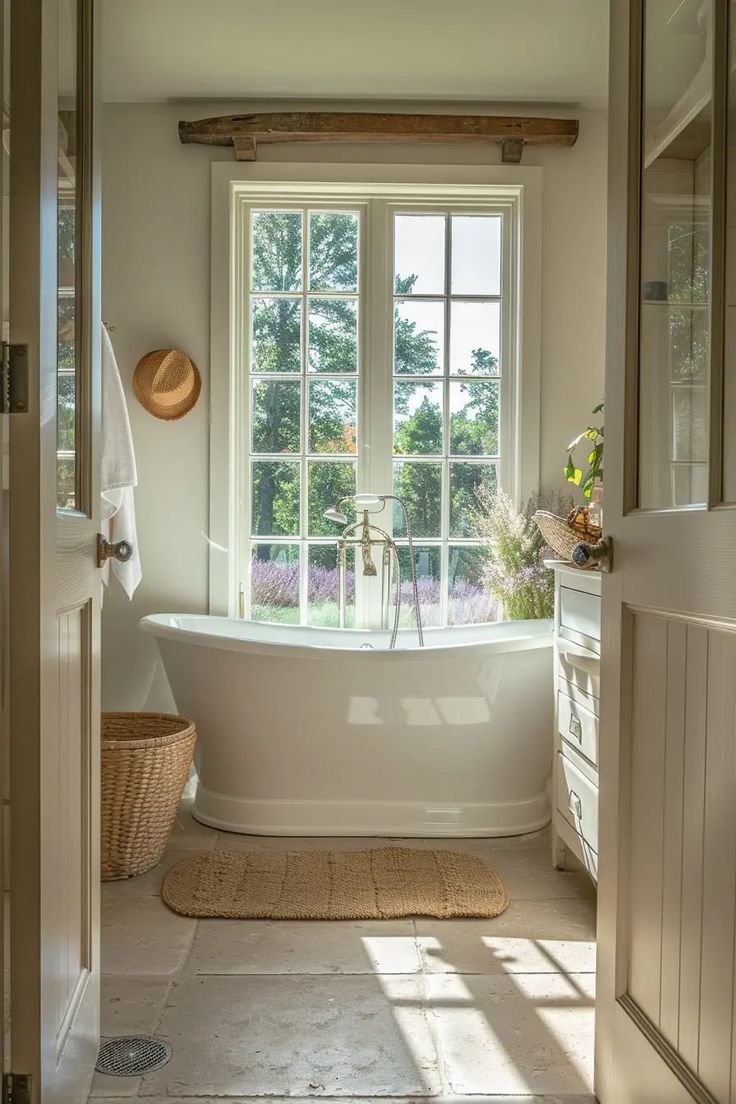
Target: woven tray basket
x=145, y=765
x=562, y=534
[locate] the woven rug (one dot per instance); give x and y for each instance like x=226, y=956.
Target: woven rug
x=381, y=883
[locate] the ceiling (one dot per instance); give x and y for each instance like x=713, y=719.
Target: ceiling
x=514, y=51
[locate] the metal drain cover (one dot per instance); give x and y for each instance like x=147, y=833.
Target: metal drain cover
x=131, y=1055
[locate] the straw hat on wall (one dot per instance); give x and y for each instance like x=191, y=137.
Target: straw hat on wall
x=167, y=383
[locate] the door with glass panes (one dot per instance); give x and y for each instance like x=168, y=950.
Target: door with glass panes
x=667, y=867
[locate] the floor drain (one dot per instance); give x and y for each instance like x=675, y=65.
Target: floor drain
x=131, y=1055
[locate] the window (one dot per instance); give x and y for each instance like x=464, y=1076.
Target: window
x=374, y=345
x=304, y=357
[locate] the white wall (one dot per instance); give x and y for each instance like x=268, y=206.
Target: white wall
x=156, y=277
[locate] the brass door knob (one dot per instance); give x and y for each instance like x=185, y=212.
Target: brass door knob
x=599, y=554
x=121, y=550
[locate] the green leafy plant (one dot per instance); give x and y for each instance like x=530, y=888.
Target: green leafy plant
x=592, y=439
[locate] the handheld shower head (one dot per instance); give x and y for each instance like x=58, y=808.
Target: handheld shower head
x=333, y=514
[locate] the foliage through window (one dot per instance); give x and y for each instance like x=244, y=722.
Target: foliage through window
x=320, y=366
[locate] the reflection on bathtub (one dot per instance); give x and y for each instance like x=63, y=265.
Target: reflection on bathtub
x=420, y=712
x=363, y=711
x=461, y=710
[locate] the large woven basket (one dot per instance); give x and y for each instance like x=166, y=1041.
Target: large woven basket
x=562, y=534
x=145, y=765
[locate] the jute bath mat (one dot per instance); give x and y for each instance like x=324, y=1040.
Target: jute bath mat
x=381, y=883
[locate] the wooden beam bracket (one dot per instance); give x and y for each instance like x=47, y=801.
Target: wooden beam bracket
x=511, y=150
x=246, y=132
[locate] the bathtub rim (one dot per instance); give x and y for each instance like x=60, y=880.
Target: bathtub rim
x=156, y=625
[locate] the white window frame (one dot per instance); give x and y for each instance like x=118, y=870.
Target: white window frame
x=514, y=191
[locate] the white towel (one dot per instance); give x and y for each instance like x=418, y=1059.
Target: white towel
x=118, y=474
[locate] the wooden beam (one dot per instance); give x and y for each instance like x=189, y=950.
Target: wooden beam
x=245, y=132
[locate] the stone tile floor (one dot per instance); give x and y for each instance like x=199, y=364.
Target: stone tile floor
x=468, y=1011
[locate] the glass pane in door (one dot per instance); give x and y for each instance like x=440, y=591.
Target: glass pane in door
x=674, y=334
x=67, y=407
x=729, y=366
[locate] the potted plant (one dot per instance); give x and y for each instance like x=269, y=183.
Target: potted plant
x=592, y=439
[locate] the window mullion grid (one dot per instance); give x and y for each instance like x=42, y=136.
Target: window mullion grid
x=245, y=455
x=445, y=510
x=304, y=433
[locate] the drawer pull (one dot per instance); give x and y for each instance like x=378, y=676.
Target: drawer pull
x=576, y=805
x=576, y=728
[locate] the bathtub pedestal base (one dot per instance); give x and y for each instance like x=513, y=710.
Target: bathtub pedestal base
x=369, y=818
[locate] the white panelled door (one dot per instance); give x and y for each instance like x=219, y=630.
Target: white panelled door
x=55, y=581
x=667, y=876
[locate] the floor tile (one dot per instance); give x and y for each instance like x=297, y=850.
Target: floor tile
x=150, y=883
x=188, y=832
x=586, y=1098
x=141, y=936
x=129, y=1006
x=526, y=1033
x=472, y=947
x=229, y=841
x=569, y=918
x=304, y=947
x=297, y=1036
x=529, y=875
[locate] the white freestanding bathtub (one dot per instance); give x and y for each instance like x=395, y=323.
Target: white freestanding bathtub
x=327, y=732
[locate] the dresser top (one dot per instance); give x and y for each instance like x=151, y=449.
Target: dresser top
x=577, y=577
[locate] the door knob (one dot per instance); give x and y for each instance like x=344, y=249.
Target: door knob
x=599, y=554
x=121, y=550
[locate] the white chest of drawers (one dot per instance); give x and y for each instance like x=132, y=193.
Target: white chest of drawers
x=577, y=712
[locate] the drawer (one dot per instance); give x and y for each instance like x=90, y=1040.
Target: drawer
x=580, y=617
x=577, y=799
x=578, y=726
x=580, y=668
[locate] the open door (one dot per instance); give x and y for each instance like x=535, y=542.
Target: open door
x=667, y=879
x=54, y=577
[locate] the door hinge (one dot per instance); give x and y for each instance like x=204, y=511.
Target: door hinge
x=17, y=1088
x=14, y=381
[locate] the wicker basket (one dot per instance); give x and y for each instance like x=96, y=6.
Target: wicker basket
x=562, y=534
x=145, y=765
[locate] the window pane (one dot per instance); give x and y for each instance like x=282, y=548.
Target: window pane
x=419, y=254
x=417, y=418
x=427, y=563
x=688, y=340
x=277, y=335
x=689, y=423
x=66, y=414
x=475, y=338
x=333, y=335
x=277, y=251
x=328, y=484
x=465, y=482
x=419, y=336
x=469, y=600
x=69, y=317
x=676, y=187
x=275, y=416
x=420, y=488
x=65, y=483
x=333, y=251
x=474, y=418
x=333, y=416
x=275, y=498
x=476, y=255
x=322, y=587
x=274, y=583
